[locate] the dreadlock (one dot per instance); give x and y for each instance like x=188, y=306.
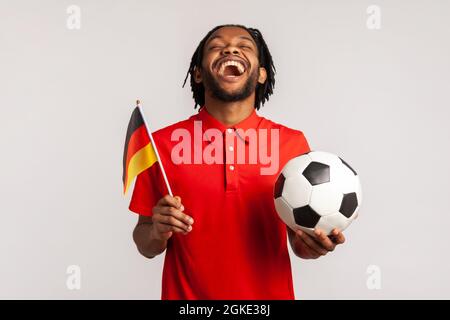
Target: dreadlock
x=263, y=91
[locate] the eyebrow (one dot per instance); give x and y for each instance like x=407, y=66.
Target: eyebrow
x=240, y=37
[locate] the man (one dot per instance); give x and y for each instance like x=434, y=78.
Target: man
x=221, y=233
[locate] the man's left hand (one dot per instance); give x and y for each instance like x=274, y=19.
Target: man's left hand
x=310, y=247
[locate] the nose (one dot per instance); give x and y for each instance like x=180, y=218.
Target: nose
x=230, y=49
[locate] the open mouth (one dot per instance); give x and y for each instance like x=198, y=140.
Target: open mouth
x=231, y=70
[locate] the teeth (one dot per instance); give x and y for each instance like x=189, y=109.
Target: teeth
x=231, y=63
x=240, y=67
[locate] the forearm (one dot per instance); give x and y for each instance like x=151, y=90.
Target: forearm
x=146, y=243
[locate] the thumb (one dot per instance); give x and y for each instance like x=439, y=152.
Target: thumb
x=179, y=200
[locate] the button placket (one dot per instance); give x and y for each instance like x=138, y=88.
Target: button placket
x=230, y=167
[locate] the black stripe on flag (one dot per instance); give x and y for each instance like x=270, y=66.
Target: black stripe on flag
x=136, y=121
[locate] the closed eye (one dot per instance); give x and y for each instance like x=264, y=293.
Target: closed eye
x=246, y=47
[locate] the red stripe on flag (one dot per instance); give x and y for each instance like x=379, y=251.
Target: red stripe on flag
x=138, y=140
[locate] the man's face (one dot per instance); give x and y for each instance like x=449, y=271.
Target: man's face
x=230, y=67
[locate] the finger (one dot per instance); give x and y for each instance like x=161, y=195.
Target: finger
x=181, y=207
x=323, y=240
x=311, y=243
x=171, y=211
x=338, y=236
x=173, y=221
x=164, y=228
x=170, y=201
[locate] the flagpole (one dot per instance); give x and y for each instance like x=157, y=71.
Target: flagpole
x=155, y=148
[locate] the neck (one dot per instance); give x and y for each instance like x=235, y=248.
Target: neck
x=230, y=113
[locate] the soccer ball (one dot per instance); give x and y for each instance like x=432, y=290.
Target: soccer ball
x=317, y=190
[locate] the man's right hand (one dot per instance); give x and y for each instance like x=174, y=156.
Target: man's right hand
x=168, y=217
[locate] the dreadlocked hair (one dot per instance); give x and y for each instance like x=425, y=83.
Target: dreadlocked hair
x=263, y=91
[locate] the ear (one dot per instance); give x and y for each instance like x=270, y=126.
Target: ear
x=197, y=75
x=262, y=75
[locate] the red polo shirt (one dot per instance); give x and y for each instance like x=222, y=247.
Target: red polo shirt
x=237, y=248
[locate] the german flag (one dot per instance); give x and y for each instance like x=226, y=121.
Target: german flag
x=139, y=153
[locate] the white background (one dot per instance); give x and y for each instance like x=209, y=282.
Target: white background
x=378, y=98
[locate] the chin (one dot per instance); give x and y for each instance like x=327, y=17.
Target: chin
x=236, y=92
x=233, y=86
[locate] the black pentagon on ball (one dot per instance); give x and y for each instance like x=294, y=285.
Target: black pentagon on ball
x=348, y=166
x=279, y=184
x=317, y=173
x=349, y=204
x=306, y=217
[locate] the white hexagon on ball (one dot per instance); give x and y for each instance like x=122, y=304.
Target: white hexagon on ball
x=326, y=198
x=296, y=166
x=335, y=220
x=297, y=191
x=285, y=212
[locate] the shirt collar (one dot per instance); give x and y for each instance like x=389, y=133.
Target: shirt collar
x=208, y=121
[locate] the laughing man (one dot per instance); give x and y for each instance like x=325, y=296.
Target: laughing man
x=222, y=236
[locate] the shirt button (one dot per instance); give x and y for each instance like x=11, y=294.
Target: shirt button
x=230, y=148
x=230, y=130
x=231, y=167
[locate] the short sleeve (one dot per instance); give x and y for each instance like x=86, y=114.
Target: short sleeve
x=148, y=189
x=304, y=145
x=294, y=142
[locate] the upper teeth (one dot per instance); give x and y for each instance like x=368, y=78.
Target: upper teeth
x=239, y=65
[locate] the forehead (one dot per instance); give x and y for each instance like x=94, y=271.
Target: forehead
x=230, y=33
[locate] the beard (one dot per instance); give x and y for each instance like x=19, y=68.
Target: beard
x=240, y=94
